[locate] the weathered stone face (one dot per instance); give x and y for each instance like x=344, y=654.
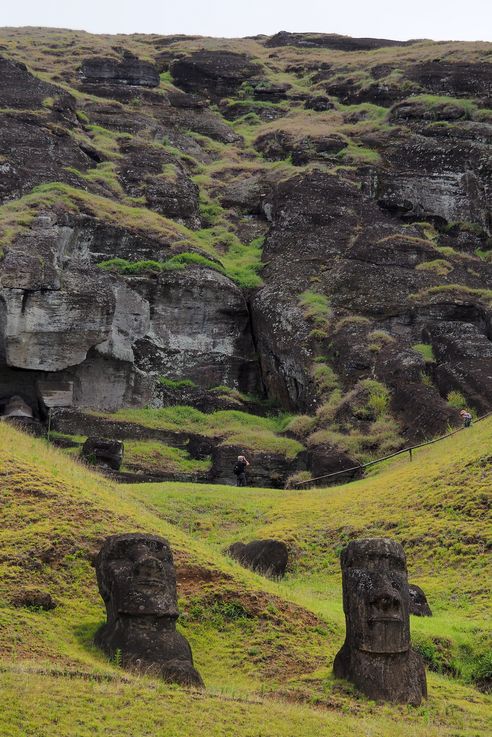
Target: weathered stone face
x=136, y=577
x=375, y=598
x=137, y=581
x=376, y=655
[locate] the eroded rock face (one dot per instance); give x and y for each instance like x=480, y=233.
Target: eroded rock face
x=456, y=79
x=267, y=469
x=113, y=337
x=377, y=655
x=137, y=580
x=128, y=71
x=268, y=557
x=278, y=145
x=17, y=407
x=419, y=605
x=429, y=177
x=162, y=180
x=199, y=329
x=20, y=89
x=36, y=121
x=331, y=41
x=375, y=272
x=216, y=73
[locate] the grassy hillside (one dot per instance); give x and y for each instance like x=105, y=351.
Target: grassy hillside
x=264, y=649
x=436, y=507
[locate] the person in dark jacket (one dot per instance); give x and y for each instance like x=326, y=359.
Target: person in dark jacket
x=240, y=470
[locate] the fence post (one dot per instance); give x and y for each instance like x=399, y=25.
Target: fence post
x=410, y=453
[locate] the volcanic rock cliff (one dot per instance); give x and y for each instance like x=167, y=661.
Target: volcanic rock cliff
x=303, y=219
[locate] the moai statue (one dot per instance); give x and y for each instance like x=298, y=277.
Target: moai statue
x=376, y=655
x=419, y=606
x=137, y=581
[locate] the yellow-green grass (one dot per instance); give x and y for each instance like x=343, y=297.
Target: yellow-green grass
x=55, y=513
x=251, y=637
x=151, y=455
x=130, y=707
x=256, y=647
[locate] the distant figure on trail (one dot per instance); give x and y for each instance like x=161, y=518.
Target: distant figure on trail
x=240, y=470
x=466, y=417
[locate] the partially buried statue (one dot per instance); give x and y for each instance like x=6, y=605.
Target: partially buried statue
x=376, y=655
x=137, y=581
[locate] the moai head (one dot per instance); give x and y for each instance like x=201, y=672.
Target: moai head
x=418, y=602
x=137, y=581
x=375, y=596
x=136, y=577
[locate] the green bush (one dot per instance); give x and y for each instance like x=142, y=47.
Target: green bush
x=176, y=383
x=175, y=263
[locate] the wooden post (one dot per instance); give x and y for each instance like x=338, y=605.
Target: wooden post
x=410, y=452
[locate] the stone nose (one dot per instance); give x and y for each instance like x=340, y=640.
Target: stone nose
x=148, y=567
x=387, y=602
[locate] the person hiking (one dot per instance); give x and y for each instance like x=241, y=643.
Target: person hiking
x=240, y=470
x=466, y=417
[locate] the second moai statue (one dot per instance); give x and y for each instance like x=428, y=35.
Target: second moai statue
x=377, y=655
x=137, y=581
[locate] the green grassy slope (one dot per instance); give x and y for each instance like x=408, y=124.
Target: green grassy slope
x=264, y=649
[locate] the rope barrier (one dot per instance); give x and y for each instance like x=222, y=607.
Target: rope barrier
x=408, y=450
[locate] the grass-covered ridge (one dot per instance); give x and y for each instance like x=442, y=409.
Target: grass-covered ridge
x=234, y=427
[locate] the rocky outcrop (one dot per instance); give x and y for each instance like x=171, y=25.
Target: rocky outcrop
x=128, y=71
x=331, y=41
x=456, y=79
x=199, y=330
x=267, y=469
x=37, y=120
x=113, y=336
x=217, y=74
x=21, y=90
x=277, y=145
x=425, y=177
x=162, y=180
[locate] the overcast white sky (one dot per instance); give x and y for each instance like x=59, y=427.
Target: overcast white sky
x=469, y=20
